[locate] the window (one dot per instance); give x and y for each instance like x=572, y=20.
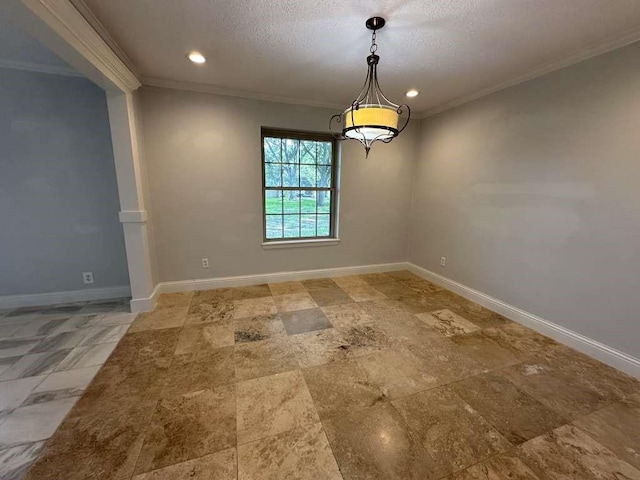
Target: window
x=299, y=185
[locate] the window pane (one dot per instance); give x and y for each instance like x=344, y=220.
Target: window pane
x=298, y=178
x=308, y=202
x=324, y=153
x=292, y=201
x=323, y=225
x=308, y=225
x=324, y=176
x=291, y=226
x=274, y=226
x=291, y=175
x=273, y=201
x=272, y=149
x=307, y=176
x=290, y=150
x=324, y=201
x=308, y=152
x=272, y=174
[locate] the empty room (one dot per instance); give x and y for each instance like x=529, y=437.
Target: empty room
x=265, y=240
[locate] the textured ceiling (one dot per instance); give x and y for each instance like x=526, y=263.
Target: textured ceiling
x=314, y=50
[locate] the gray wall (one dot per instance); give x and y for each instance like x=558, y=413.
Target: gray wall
x=533, y=196
x=58, y=194
x=203, y=158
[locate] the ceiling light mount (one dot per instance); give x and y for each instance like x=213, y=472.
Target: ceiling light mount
x=372, y=116
x=375, y=23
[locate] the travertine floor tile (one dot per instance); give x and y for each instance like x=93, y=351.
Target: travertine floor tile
x=205, y=337
x=341, y=387
x=558, y=388
x=213, y=311
x=395, y=290
x=319, y=284
x=376, y=278
x=485, y=351
x=188, y=427
x=348, y=315
x=397, y=372
x=253, y=307
x=500, y=467
x=151, y=347
x=617, y=427
x=219, y=466
x=263, y=358
x=252, y=291
x=512, y=412
x=198, y=371
x=399, y=397
x=286, y=288
x=170, y=300
x=375, y=443
x=363, y=293
x=523, y=339
x=568, y=453
x=169, y=317
x=213, y=296
x=318, y=348
x=303, y=454
x=253, y=329
x=304, y=321
x=115, y=388
x=447, y=322
x=349, y=281
x=330, y=296
x=294, y=301
x=452, y=432
x=444, y=360
x=271, y=405
x=402, y=275
x=95, y=446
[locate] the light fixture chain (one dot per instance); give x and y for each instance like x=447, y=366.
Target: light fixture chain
x=374, y=45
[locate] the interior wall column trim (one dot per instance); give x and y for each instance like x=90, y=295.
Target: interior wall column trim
x=125, y=128
x=63, y=18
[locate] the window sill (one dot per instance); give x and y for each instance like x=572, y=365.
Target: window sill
x=323, y=242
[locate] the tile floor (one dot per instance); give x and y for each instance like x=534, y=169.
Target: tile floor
x=377, y=376
x=48, y=356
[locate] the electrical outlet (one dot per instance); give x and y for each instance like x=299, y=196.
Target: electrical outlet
x=87, y=278
x=205, y=263
x=443, y=261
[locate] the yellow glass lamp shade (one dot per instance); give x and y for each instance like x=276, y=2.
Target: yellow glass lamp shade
x=374, y=122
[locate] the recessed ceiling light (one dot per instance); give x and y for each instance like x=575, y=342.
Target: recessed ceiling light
x=196, y=57
x=412, y=93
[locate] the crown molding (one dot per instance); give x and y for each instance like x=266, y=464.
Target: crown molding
x=97, y=25
x=626, y=38
x=67, y=21
x=40, y=68
x=228, y=92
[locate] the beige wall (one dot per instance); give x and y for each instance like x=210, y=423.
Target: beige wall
x=533, y=196
x=203, y=159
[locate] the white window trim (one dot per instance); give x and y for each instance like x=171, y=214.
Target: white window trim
x=315, y=242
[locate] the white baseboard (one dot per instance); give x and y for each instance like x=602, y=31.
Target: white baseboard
x=145, y=304
x=243, y=280
x=36, y=299
x=588, y=346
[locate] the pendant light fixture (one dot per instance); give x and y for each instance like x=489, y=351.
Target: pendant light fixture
x=371, y=117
